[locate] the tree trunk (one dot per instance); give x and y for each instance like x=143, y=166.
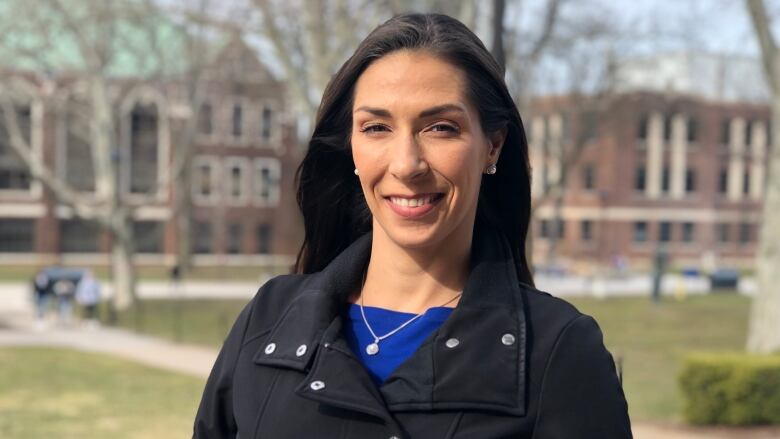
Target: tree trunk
x=764, y=330
x=497, y=48
x=764, y=327
x=122, y=262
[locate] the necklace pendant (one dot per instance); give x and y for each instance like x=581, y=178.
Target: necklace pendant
x=372, y=349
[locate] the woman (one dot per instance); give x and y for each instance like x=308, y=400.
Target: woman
x=414, y=315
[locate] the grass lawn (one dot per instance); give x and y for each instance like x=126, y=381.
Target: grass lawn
x=205, y=322
x=652, y=340
x=53, y=393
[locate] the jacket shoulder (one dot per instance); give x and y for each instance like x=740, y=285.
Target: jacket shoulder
x=545, y=310
x=273, y=298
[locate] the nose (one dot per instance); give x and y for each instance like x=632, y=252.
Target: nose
x=407, y=161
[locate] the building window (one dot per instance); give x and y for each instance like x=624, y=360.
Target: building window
x=589, y=178
x=688, y=231
x=690, y=181
x=745, y=233
x=746, y=183
x=17, y=235
x=77, y=166
x=79, y=236
x=668, y=127
x=643, y=126
x=201, y=237
x=237, y=121
x=586, y=230
x=640, y=180
x=143, y=149
x=748, y=132
x=234, y=238
x=266, y=124
x=590, y=121
x=205, y=120
x=665, y=231
x=640, y=231
x=148, y=236
x=693, y=130
x=13, y=173
x=236, y=179
x=544, y=229
x=204, y=179
x=665, y=179
x=723, y=181
x=266, y=181
x=725, y=132
x=264, y=239
x=723, y=232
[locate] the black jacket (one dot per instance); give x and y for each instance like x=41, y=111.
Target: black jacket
x=527, y=366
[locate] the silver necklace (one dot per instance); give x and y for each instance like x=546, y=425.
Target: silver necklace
x=373, y=348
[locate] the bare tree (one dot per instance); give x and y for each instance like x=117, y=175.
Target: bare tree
x=311, y=39
x=764, y=328
x=99, y=33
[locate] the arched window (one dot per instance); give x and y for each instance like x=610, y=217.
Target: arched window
x=14, y=175
x=76, y=153
x=144, y=145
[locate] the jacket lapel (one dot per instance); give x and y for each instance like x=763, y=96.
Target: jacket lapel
x=482, y=372
x=485, y=370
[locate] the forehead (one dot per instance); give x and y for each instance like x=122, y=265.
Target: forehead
x=410, y=79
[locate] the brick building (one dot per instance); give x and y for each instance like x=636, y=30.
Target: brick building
x=669, y=167
x=240, y=180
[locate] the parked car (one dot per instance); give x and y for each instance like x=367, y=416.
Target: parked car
x=724, y=278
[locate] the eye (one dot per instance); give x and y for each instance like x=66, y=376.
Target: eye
x=444, y=128
x=374, y=128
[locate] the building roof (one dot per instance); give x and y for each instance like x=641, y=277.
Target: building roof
x=136, y=42
x=717, y=77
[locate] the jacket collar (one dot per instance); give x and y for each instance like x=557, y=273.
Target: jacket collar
x=485, y=371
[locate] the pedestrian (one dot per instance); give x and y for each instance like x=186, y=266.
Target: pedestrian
x=88, y=296
x=413, y=312
x=65, y=290
x=42, y=297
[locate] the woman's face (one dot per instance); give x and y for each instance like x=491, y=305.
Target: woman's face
x=419, y=148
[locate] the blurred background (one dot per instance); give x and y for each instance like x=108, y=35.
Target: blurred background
x=148, y=151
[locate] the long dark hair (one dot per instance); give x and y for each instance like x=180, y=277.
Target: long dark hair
x=334, y=209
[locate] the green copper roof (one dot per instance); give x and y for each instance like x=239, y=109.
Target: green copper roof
x=128, y=38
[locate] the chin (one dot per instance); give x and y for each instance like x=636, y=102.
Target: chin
x=415, y=237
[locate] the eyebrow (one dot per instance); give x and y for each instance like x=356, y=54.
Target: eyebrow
x=381, y=112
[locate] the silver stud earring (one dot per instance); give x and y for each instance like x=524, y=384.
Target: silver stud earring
x=356, y=172
x=491, y=169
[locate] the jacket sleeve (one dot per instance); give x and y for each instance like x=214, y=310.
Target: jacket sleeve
x=581, y=395
x=215, y=413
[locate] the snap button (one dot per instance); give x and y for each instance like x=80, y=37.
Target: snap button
x=393, y=437
x=270, y=348
x=301, y=350
x=317, y=385
x=451, y=343
x=508, y=339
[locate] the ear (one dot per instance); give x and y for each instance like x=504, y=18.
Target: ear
x=495, y=143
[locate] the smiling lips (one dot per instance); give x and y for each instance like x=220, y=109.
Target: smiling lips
x=413, y=207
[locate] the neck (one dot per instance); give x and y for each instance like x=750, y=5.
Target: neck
x=413, y=280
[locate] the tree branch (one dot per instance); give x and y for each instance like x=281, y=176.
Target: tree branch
x=758, y=15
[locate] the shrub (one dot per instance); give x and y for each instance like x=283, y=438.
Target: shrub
x=731, y=389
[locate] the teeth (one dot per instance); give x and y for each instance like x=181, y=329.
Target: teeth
x=414, y=202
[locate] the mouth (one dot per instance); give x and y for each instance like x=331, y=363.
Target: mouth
x=413, y=206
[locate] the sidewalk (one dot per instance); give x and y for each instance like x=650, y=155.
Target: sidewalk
x=18, y=329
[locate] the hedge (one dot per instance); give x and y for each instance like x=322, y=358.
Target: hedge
x=731, y=389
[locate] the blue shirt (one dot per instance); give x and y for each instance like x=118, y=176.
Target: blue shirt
x=395, y=349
